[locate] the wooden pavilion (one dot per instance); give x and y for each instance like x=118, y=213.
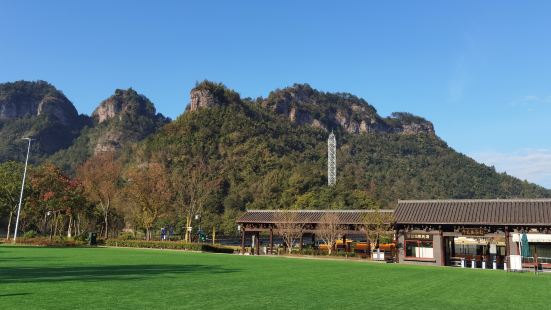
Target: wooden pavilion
x=253, y=222
x=482, y=233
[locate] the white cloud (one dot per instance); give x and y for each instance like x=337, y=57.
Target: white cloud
x=533, y=165
x=531, y=100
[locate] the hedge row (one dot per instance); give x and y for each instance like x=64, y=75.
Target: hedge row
x=54, y=242
x=168, y=245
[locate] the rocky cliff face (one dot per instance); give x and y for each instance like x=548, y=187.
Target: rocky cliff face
x=202, y=98
x=124, y=117
x=124, y=103
x=37, y=110
x=30, y=99
x=209, y=94
x=305, y=106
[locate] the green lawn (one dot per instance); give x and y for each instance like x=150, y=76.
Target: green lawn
x=115, y=278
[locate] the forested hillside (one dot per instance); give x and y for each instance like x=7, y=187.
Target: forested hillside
x=263, y=161
x=224, y=155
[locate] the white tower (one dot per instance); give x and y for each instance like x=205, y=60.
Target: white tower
x=331, y=160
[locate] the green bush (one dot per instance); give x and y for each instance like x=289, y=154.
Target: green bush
x=54, y=242
x=168, y=245
x=30, y=234
x=82, y=237
x=127, y=236
x=342, y=253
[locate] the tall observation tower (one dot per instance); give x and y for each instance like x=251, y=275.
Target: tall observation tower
x=331, y=160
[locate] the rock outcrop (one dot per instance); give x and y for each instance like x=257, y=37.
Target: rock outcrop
x=124, y=103
x=202, y=98
x=305, y=106
x=30, y=99
x=124, y=117
x=209, y=94
x=38, y=110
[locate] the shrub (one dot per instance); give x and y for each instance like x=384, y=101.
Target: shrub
x=55, y=242
x=127, y=236
x=30, y=234
x=82, y=237
x=168, y=245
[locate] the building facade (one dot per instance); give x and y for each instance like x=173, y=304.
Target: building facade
x=469, y=233
x=472, y=233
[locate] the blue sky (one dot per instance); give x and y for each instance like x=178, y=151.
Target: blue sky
x=479, y=70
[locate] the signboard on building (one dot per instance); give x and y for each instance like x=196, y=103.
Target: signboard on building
x=473, y=231
x=418, y=236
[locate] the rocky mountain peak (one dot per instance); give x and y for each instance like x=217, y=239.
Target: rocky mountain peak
x=202, y=98
x=128, y=117
x=304, y=105
x=209, y=94
x=26, y=99
x=408, y=123
x=124, y=103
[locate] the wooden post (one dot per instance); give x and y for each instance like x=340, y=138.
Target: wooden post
x=301, y=241
x=243, y=240
x=271, y=241
x=396, y=253
x=344, y=243
x=442, y=247
x=257, y=243
x=452, y=246
x=507, y=248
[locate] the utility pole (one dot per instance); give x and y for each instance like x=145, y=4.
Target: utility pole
x=22, y=189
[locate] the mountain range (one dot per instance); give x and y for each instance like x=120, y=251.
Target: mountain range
x=266, y=152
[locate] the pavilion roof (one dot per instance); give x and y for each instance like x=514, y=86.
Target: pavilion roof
x=475, y=212
x=311, y=216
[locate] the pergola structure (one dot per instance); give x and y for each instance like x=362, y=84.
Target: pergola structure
x=352, y=222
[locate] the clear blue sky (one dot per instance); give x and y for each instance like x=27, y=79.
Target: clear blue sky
x=479, y=70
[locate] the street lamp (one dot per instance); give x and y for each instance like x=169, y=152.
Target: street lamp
x=22, y=189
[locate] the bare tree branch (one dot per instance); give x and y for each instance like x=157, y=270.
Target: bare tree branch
x=330, y=230
x=289, y=228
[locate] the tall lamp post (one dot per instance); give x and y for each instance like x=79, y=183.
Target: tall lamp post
x=22, y=189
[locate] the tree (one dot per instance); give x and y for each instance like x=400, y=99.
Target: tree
x=100, y=176
x=193, y=189
x=377, y=224
x=149, y=193
x=57, y=195
x=10, y=185
x=330, y=230
x=289, y=227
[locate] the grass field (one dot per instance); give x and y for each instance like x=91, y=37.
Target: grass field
x=116, y=278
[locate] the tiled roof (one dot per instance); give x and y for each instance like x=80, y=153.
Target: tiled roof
x=475, y=211
x=309, y=216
